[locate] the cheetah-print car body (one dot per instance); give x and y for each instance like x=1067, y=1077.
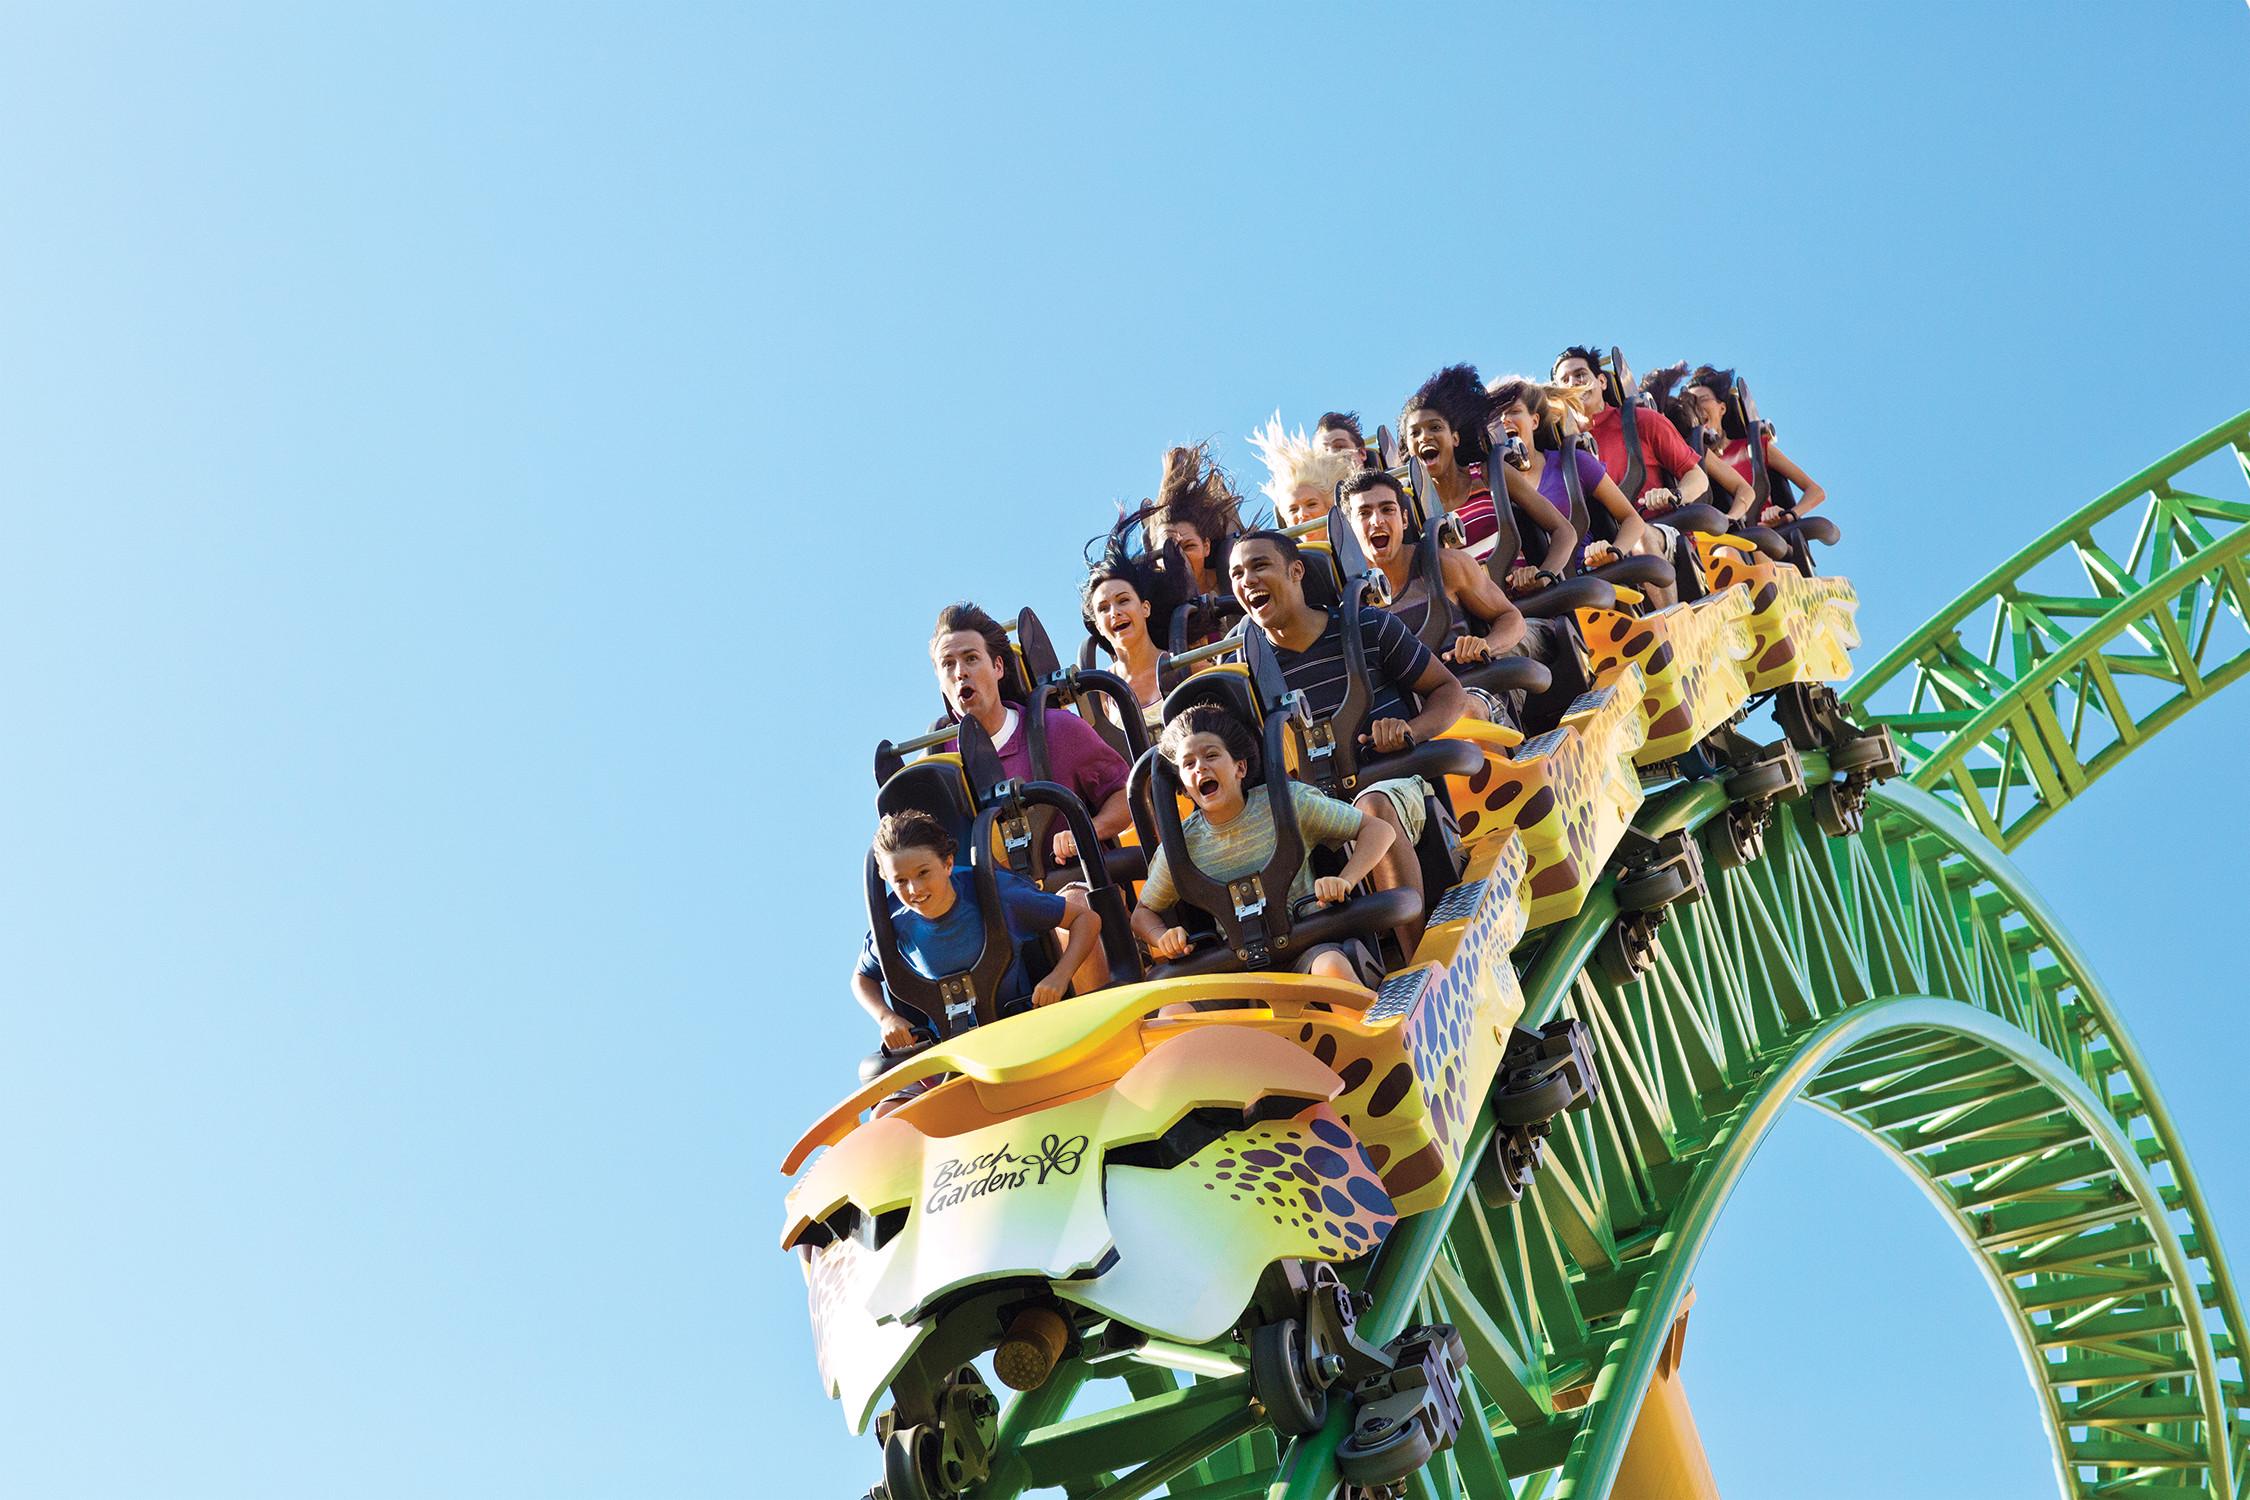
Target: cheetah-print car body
x=1801, y=629
x=893, y=1219
x=1568, y=795
x=1691, y=660
x=1390, y=1093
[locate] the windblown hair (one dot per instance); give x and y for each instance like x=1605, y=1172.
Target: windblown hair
x=1456, y=394
x=1548, y=405
x=1292, y=462
x=1666, y=390
x=1210, y=718
x=1195, y=490
x=1159, y=577
x=1340, y=421
x=1720, y=383
x=913, y=829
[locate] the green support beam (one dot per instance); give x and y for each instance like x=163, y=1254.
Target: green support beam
x=2069, y=656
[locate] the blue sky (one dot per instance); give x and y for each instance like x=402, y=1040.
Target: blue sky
x=476, y=481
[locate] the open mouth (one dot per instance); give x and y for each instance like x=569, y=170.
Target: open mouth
x=1378, y=541
x=964, y=697
x=1256, y=600
x=1206, y=787
x=1428, y=453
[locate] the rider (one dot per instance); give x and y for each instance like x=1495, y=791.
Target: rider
x=1449, y=426
x=1268, y=574
x=1197, y=509
x=1127, y=598
x=1229, y=836
x=1339, y=433
x=1302, y=476
x=1706, y=395
x=1444, y=425
x=1680, y=476
x=1376, y=510
x=940, y=927
x=969, y=650
x=1528, y=410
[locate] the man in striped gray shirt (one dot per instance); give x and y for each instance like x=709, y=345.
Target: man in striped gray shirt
x=1268, y=575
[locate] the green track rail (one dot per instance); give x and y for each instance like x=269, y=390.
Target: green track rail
x=2070, y=655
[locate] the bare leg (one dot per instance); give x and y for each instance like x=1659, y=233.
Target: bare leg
x=1092, y=972
x=1399, y=870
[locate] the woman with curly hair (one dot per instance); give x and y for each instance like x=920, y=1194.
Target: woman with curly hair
x=1444, y=425
x=1301, y=478
x=1450, y=424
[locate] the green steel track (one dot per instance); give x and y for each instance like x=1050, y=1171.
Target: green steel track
x=1904, y=979
x=2064, y=659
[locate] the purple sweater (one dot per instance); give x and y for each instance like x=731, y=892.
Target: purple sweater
x=1077, y=757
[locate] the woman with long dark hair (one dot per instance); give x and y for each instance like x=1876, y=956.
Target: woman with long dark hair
x=1127, y=601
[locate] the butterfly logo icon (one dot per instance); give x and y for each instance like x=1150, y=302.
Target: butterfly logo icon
x=1058, y=1155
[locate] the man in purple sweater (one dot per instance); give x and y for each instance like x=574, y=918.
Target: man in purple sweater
x=970, y=649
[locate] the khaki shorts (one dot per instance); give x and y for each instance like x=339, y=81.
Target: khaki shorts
x=1407, y=796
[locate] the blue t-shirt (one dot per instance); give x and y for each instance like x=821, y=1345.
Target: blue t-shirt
x=953, y=942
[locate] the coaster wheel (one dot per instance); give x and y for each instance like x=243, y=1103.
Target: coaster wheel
x=1281, y=1378
x=1836, y=809
x=1381, y=1454
x=910, y=1465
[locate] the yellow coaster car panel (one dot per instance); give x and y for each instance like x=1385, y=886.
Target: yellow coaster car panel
x=1348, y=1118
x=1568, y=794
x=1691, y=660
x=893, y=1219
x=1801, y=629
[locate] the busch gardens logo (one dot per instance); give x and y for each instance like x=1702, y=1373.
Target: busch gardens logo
x=997, y=1171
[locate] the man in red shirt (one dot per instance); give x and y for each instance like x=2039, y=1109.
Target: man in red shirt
x=1675, y=475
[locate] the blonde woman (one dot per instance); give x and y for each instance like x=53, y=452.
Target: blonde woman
x=1301, y=478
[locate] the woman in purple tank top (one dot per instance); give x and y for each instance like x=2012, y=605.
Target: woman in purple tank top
x=1531, y=412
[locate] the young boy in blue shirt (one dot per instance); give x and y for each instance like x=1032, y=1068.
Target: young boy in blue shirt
x=940, y=927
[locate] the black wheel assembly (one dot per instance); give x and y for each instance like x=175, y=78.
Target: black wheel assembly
x=1836, y=810
x=1281, y=1378
x=910, y=1461
x=1383, y=1454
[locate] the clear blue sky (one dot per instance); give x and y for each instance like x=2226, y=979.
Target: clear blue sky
x=475, y=484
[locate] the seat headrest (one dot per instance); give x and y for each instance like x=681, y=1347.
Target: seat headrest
x=936, y=785
x=1323, y=587
x=1228, y=685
